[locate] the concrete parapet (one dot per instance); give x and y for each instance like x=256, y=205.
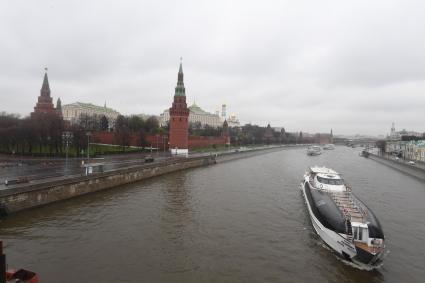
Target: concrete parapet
x=33, y=195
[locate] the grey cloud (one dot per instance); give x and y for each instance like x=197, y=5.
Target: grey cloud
x=306, y=65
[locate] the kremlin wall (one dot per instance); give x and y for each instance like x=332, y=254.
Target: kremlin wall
x=177, y=140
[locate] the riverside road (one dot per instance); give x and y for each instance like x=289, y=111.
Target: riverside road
x=35, y=169
x=238, y=221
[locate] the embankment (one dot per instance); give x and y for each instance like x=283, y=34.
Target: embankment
x=32, y=195
x=38, y=193
x=402, y=167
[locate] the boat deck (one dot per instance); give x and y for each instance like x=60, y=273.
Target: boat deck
x=365, y=247
x=348, y=205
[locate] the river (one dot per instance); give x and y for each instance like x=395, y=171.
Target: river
x=238, y=221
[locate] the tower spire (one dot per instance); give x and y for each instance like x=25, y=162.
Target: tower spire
x=180, y=89
x=45, y=89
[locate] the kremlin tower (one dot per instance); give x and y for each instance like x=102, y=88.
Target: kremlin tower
x=44, y=104
x=179, y=118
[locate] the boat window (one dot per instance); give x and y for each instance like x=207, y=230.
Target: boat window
x=330, y=181
x=355, y=232
x=358, y=233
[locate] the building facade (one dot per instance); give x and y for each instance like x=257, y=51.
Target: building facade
x=233, y=121
x=44, y=103
x=73, y=112
x=415, y=150
x=196, y=115
x=179, y=119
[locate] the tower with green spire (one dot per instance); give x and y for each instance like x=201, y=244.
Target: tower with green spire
x=179, y=118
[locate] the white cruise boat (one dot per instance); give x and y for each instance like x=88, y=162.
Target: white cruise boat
x=329, y=146
x=314, y=150
x=343, y=222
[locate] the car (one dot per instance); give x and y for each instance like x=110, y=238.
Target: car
x=149, y=159
x=411, y=162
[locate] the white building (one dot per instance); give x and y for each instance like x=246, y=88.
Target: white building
x=415, y=150
x=233, y=121
x=196, y=114
x=72, y=112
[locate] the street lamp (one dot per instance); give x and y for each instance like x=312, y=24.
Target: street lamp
x=88, y=134
x=66, y=139
x=164, y=140
x=157, y=144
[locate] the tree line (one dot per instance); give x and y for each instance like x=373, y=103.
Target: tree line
x=43, y=134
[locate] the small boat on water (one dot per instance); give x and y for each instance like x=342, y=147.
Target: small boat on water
x=15, y=275
x=314, y=150
x=329, y=146
x=341, y=220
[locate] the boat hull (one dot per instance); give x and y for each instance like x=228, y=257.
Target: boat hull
x=343, y=247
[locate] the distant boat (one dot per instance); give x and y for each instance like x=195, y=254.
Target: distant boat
x=329, y=146
x=364, y=153
x=314, y=150
x=343, y=222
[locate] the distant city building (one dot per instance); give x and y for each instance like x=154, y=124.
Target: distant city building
x=45, y=102
x=396, y=147
x=233, y=121
x=223, y=112
x=415, y=150
x=196, y=115
x=72, y=112
x=397, y=135
x=394, y=136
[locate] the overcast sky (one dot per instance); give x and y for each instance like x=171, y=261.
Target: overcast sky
x=354, y=66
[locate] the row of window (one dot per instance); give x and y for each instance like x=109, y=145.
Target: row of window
x=330, y=181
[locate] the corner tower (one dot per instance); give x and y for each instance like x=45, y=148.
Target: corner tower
x=179, y=118
x=44, y=103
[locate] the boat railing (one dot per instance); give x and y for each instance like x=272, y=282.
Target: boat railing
x=358, y=205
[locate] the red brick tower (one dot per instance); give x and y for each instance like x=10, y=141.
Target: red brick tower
x=44, y=104
x=179, y=116
x=225, y=132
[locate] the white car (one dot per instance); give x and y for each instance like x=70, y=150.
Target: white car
x=411, y=162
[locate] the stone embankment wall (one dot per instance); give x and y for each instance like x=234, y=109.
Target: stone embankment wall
x=33, y=195
x=402, y=167
x=27, y=196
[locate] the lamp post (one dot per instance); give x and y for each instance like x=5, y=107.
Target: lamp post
x=164, y=140
x=157, y=144
x=88, y=134
x=66, y=139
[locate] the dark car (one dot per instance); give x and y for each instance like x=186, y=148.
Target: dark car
x=149, y=159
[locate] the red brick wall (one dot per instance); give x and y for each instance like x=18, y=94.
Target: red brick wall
x=157, y=140
x=110, y=138
x=195, y=142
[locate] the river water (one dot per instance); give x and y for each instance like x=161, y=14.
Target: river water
x=239, y=221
